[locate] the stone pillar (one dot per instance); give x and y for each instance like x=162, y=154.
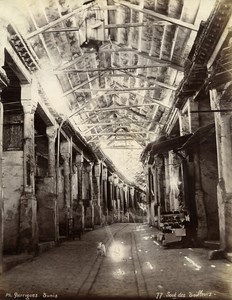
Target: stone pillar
x=110, y=199
x=132, y=193
x=74, y=192
x=46, y=195
x=184, y=122
x=146, y=173
x=199, y=199
x=194, y=120
x=1, y=192
x=155, y=201
x=214, y=106
x=79, y=164
x=50, y=182
x=65, y=153
x=3, y=42
x=3, y=83
x=90, y=171
x=159, y=167
x=51, y=134
x=89, y=214
x=105, y=194
x=224, y=157
x=97, y=206
x=226, y=150
x=225, y=186
x=120, y=185
x=167, y=183
x=119, y=207
x=28, y=228
x=80, y=207
x=29, y=148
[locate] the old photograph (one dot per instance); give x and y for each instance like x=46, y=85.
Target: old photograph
x=115, y=149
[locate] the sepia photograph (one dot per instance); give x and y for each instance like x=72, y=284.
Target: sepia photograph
x=115, y=149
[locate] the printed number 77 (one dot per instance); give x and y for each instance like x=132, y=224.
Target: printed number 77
x=159, y=295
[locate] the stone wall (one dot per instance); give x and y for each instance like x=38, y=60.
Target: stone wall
x=12, y=191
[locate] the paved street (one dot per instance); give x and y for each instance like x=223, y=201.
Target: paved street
x=135, y=266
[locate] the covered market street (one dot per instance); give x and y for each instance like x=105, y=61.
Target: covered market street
x=135, y=266
x=116, y=128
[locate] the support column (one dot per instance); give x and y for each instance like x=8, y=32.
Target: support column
x=105, y=194
x=80, y=207
x=199, y=199
x=28, y=227
x=89, y=214
x=154, y=203
x=132, y=193
x=50, y=200
x=28, y=134
x=167, y=183
x=184, y=122
x=148, y=198
x=110, y=199
x=120, y=190
x=224, y=186
x=46, y=195
x=65, y=153
x=159, y=182
x=1, y=192
x=3, y=83
x=226, y=150
x=118, y=203
x=97, y=206
x=51, y=132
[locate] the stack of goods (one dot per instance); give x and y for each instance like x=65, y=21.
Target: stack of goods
x=172, y=226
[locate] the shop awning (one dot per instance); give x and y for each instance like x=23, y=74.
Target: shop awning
x=200, y=136
x=170, y=144
x=148, y=148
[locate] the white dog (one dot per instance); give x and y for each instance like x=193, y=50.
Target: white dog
x=101, y=249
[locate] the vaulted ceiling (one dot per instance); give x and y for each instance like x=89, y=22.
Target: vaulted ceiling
x=118, y=62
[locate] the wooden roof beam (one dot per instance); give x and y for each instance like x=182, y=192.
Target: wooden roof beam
x=103, y=130
x=162, y=84
x=125, y=147
x=80, y=109
x=141, y=28
x=128, y=25
x=80, y=85
x=162, y=41
x=151, y=88
x=154, y=14
x=165, y=63
x=91, y=125
x=118, y=133
x=90, y=118
x=147, y=98
x=75, y=61
x=104, y=124
x=56, y=22
x=115, y=68
x=65, y=17
x=108, y=26
x=155, y=59
x=157, y=101
x=121, y=107
x=148, y=56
